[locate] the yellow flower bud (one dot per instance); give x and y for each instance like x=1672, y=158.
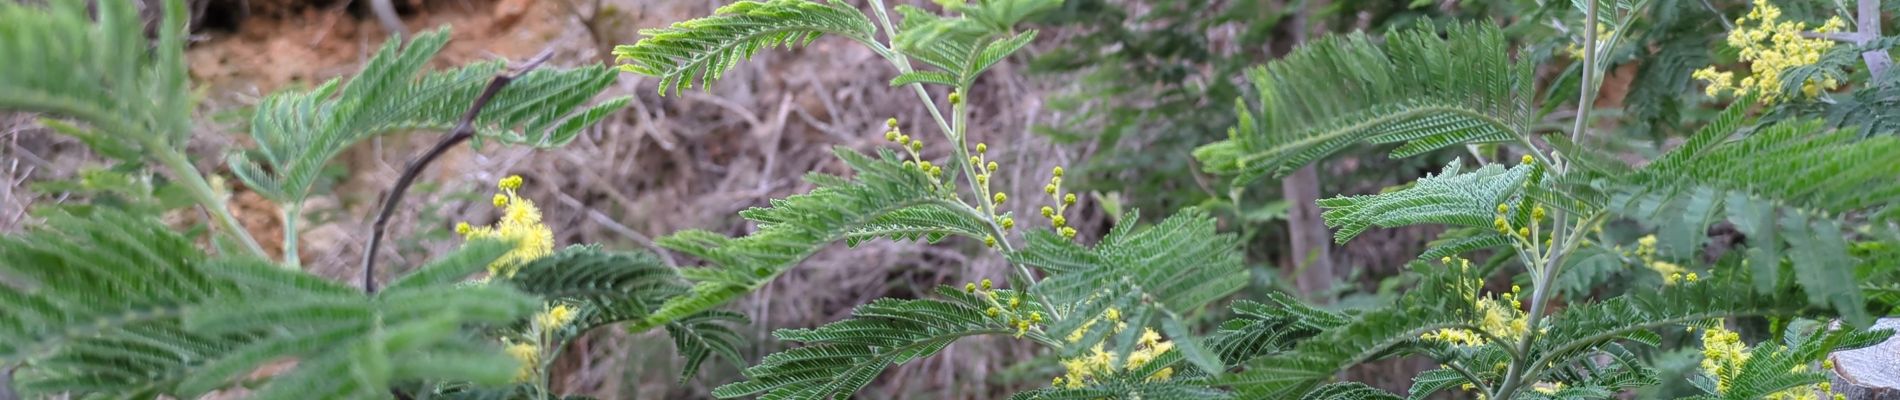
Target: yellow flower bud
x=1537, y=212
x=1503, y=208
x=991, y=167
x=463, y=228
x=512, y=182
x=1000, y=197
x=1068, y=199
x=924, y=165
x=903, y=139
x=1068, y=232
x=1008, y=223
x=936, y=171
x=989, y=241
x=890, y=136
x=1049, y=189
x=916, y=145
x=1059, y=221
x=982, y=179
x=956, y=98
x=993, y=311
x=1015, y=302
x=1048, y=212
x=1524, y=231
x=1035, y=317
x=1526, y=160
x=969, y=288
x=974, y=160
x=986, y=284
x=1057, y=172
x=501, y=200
x=892, y=123
x=982, y=147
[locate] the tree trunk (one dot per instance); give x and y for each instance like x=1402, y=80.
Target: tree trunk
x=1312, y=259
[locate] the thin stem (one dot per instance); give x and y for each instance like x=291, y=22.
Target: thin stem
x=1473, y=378
x=1541, y=274
x=463, y=131
x=200, y=190
x=291, y=213
x=954, y=130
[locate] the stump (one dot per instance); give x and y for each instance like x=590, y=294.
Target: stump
x=1872, y=372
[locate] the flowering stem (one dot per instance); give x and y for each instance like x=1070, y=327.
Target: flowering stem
x=954, y=129
x=1541, y=274
x=464, y=130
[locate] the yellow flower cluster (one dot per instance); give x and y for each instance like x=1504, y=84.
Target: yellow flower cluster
x=541, y=332
x=1671, y=272
x=528, y=355
x=1501, y=316
x=1062, y=201
x=1723, y=355
x=1011, y=310
x=1771, y=46
x=914, y=147
x=555, y=316
x=520, y=224
x=1084, y=369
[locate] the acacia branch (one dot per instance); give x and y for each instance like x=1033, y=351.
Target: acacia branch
x=464, y=130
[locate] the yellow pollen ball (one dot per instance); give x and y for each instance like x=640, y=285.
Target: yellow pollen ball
x=1527, y=159
x=982, y=147
x=1057, y=172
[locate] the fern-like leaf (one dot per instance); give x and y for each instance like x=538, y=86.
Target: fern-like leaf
x=297, y=131
x=1452, y=198
x=1417, y=87
x=842, y=357
x=119, y=306
x=1791, y=188
x=93, y=62
x=884, y=198
x=1160, y=274
x=704, y=49
x=609, y=288
x=1437, y=303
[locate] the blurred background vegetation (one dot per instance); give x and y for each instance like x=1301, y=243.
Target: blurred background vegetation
x=1118, y=91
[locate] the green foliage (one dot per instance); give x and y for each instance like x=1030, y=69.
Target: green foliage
x=965, y=46
x=1791, y=187
x=1415, y=87
x=1773, y=368
x=117, y=305
x=299, y=131
x=1375, y=334
x=874, y=201
x=100, y=70
x=1161, y=274
x=704, y=49
x=841, y=357
x=610, y=287
x=1453, y=197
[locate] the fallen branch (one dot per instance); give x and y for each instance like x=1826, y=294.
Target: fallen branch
x=464, y=130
